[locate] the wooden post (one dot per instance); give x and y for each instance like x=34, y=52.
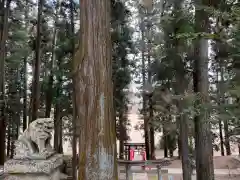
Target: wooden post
x=159, y=172
x=127, y=172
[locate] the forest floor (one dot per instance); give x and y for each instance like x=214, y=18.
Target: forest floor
x=220, y=162
x=225, y=168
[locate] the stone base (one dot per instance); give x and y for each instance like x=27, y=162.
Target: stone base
x=53, y=176
x=34, y=169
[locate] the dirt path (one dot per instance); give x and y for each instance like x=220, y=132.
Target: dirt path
x=220, y=162
x=179, y=177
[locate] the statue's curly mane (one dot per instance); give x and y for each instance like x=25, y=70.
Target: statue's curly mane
x=36, y=138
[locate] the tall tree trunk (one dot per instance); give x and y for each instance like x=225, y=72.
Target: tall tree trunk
x=74, y=119
x=221, y=137
x=152, y=137
x=49, y=92
x=12, y=142
x=58, y=129
x=94, y=93
x=203, y=136
x=179, y=139
x=25, y=76
x=49, y=95
x=121, y=135
x=149, y=79
x=181, y=88
x=186, y=166
x=220, y=121
x=150, y=117
x=25, y=88
x=227, y=141
x=3, y=38
x=225, y=121
x=36, y=83
x=144, y=107
x=8, y=139
x=13, y=106
x=58, y=112
x=165, y=144
x=122, y=131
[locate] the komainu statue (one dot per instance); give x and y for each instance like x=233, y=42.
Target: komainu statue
x=34, y=143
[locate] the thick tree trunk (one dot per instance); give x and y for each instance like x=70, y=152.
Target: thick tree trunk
x=3, y=37
x=2, y=84
x=203, y=137
x=186, y=166
x=36, y=75
x=94, y=94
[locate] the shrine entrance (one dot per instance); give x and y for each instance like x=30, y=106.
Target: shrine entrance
x=137, y=147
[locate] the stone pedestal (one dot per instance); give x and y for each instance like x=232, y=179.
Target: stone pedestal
x=25, y=169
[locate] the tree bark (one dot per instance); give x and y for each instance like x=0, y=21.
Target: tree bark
x=149, y=79
x=144, y=107
x=179, y=139
x=49, y=92
x=58, y=111
x=220, y=121
x=25, y=85
x=221, y=137
x=35, y=83
x=74, y=138
x=121, y=135
x=203, y=136
x=8, y=139
x=58, y=129
x=227, y=141
x=186, y=166
x=94, y=94
x=165, y=144
x=152, y=137
x=225, y=121
x=3, y=37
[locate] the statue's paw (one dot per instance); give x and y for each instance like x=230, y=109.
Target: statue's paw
x=63, y=176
